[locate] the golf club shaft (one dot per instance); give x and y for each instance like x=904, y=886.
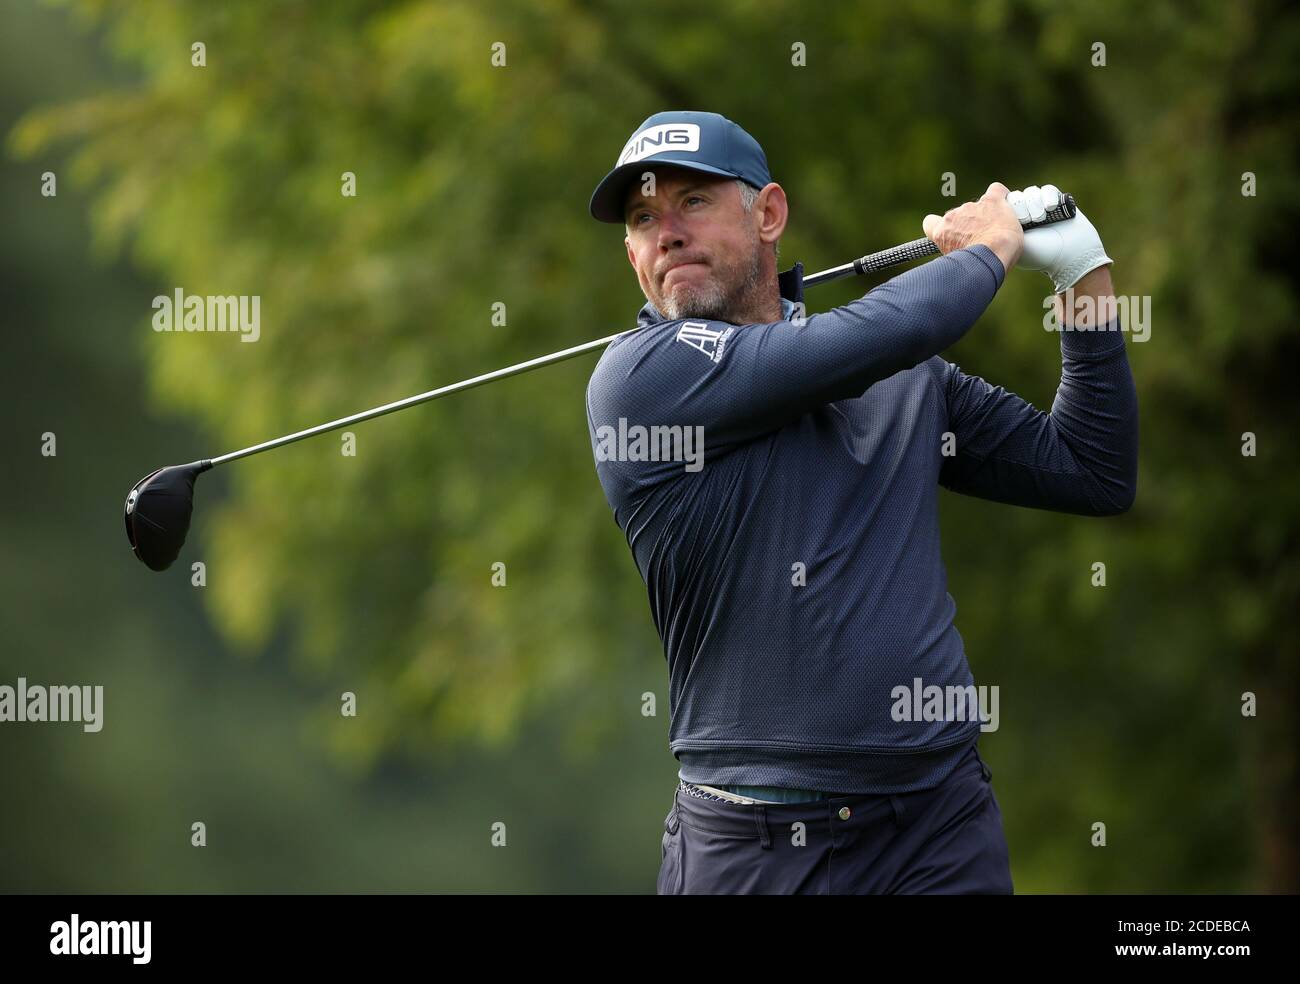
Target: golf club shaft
x=411, y=401
x=871, y=263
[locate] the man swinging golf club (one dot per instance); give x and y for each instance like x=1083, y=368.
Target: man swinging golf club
x=793, y=560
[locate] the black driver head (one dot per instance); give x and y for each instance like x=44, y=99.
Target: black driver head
x=158, y=512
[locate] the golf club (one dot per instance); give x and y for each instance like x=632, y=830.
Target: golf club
x=159, y=506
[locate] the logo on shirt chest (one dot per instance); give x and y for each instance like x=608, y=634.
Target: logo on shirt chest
x=708, y=340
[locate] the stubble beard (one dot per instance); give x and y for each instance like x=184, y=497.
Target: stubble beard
x=712, y=299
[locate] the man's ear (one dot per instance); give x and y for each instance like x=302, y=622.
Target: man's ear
x=773, y=211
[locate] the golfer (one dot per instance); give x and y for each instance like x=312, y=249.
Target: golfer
x=776, y=476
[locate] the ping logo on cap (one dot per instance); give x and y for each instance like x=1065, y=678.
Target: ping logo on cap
x=656, y=139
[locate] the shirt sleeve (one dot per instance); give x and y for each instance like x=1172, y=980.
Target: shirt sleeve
x=740, y=382
x=1079, y=458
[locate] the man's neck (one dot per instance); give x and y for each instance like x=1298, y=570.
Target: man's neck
x=761, y=307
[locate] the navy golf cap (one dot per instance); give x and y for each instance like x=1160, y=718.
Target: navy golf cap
x=699, y=141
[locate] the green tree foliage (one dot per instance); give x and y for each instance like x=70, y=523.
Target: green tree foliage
x=1119, y=704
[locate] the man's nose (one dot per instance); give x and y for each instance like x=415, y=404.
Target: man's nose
x=672, y=231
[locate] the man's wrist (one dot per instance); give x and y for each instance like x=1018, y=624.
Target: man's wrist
x=1090, y=299
x=1005, y=249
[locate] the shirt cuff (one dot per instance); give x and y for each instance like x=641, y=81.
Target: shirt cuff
x=1092, y=343
x=990, y=260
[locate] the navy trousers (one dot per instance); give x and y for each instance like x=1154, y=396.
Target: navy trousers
x=945, y=840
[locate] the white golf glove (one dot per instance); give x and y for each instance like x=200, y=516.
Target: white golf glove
x=1065, y=251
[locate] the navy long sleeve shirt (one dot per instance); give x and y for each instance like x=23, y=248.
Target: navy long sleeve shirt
x=793, y=561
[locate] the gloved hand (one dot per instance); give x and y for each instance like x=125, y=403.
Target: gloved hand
x=1065, y=251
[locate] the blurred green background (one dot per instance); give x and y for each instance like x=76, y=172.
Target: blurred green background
x=522, y=704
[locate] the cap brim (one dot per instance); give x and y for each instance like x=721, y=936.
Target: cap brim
x=608, y=198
